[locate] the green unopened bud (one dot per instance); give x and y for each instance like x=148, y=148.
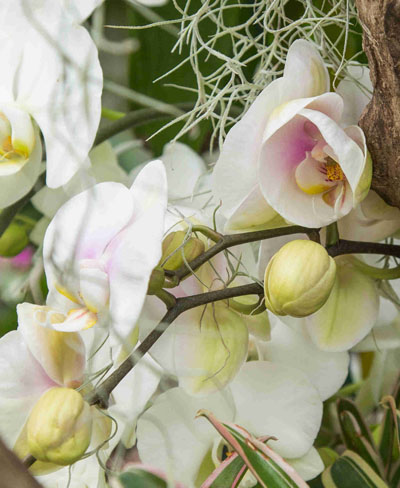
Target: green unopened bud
x=59, y=427
x=172, y=246
x=13, y=241
x=299, y=279
x=157, y=280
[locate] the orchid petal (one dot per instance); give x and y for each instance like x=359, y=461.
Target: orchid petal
x=82, y=228
x=137, y=250
x=364, y=183
x=212, y=351
x=104, y=165
x=234, y=175
x=85, y=473
x=132, y=395
x=93, y=287
x=350, y=156
x=79, y=10
x=371, y=220
x=288, y=147
x=349, y=313
x=59, y=83
x=308, y=466
x=253, y=213
x=170, y=437
x=61, y=354
x=326, y=371
x=22, y=383
x=310, y=177
x=204, y=349
x=304, y=62
x=386, y=333
x=184, y=169
x=274, y=399
x=22, y=130
x=329, y=103
x=17, y=184
x=356, y=90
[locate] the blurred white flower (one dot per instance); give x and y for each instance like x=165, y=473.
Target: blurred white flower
x=100, y=249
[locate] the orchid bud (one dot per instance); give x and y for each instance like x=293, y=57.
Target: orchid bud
x=172, y=246
x=59, y=427
x=157, y=280
x=13, y=241
x=299, y=279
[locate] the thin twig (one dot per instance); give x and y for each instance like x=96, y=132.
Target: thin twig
x=355, y=247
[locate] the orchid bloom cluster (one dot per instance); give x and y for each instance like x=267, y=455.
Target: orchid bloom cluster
x=197, y=318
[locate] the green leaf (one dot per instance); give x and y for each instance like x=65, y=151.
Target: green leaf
x=227, y=474
x=390, y=431
x=356, y=442
x=351, y=471
x=395, y=477
x=139, y=478
x=269, y=469
x=344, y=404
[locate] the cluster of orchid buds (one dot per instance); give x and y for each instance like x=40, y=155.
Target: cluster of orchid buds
x=190, y=324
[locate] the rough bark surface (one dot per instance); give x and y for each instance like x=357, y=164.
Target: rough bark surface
x=381, y=119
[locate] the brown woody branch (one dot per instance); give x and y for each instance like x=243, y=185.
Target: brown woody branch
x=13, y=472
x=380, y=121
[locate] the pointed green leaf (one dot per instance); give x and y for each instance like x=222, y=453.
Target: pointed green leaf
x=395, y=476
x=390, y=430
x=351, y=471
x=139, y=478
x=228, y=474
x=269, y=469
x=344, y=404
x=356, y=442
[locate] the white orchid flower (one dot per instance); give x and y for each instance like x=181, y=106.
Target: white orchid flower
x=289, y=159
x=53, y=83
x=49, y=359
x=100, y=249
x=264, y=398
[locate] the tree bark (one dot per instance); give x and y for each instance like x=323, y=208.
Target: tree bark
x=380, y=121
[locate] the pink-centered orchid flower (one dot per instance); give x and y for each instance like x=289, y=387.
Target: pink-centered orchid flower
x=289, y=159
x=100, y=249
